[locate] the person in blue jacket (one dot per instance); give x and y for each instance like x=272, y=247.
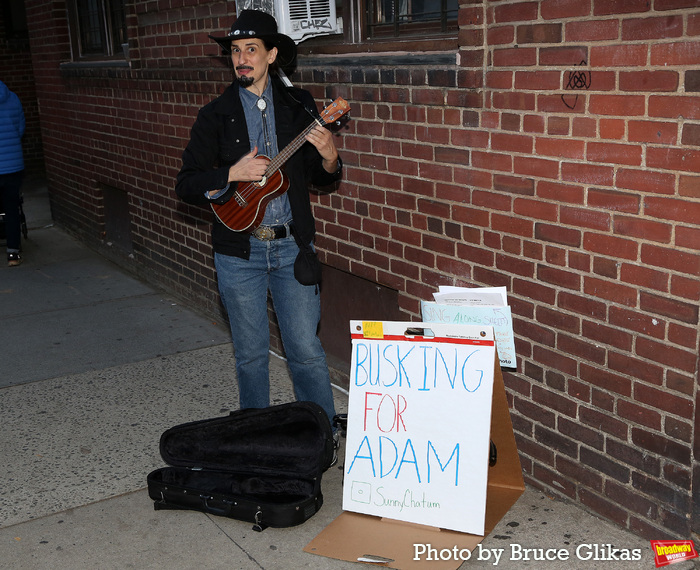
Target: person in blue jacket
x=11, y=168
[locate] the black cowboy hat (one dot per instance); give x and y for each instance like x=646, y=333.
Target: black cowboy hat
x=256, y=24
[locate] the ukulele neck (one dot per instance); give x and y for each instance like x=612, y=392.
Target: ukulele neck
x=277, y=162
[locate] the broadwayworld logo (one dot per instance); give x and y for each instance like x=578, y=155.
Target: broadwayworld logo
x=671, y=551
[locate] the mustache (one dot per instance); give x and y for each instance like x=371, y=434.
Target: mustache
x=244, y=67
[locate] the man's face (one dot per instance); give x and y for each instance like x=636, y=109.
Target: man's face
x=251, y=61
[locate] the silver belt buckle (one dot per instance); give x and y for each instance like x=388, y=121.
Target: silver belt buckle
x=264, y=233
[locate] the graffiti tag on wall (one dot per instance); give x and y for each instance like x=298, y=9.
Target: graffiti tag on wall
x=576, y=80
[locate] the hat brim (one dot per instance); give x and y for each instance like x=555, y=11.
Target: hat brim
x=286, y=47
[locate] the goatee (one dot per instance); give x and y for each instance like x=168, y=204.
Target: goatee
x=244, y=81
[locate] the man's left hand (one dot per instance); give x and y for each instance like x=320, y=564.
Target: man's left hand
x=322, y=139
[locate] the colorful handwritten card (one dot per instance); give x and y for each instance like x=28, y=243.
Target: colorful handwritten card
x=419, y=416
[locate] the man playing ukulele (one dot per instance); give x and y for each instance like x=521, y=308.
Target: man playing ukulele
x=227, y=159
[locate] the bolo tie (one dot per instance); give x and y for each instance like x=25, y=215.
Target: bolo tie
x=262, y=105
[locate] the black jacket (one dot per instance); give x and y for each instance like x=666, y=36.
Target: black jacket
x=219, y=138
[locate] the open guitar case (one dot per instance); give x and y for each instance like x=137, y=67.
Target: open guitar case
x=262, y=466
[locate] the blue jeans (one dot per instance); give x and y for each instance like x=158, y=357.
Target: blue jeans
x=243, y=285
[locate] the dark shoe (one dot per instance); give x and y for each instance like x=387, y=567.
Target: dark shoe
x=13, y=258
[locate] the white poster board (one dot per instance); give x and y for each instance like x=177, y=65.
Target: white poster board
x=499, y=318
x=419, y=416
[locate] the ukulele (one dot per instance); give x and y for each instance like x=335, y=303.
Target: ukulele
x=246, y=208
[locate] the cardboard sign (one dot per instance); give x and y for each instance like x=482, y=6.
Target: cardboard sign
x=419, y=416
x=354, y=536
x=497, y=317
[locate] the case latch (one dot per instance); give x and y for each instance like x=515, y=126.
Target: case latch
x=259, y=526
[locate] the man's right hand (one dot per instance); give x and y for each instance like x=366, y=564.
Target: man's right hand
x=250, y=168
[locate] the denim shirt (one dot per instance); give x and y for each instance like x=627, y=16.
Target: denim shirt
x=262, y=132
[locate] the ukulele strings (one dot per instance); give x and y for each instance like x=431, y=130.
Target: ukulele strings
x=277, y=162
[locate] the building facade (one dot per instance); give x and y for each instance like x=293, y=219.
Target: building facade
x=548, y=146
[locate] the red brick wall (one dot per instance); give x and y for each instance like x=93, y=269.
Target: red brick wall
x=605, y=254
x=558, y=155
x=562, y=162
x=126, y=127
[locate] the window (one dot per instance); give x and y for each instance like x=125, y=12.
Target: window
x=394, y=18
x=98, y=28
x=15, y=20
x=388, y=25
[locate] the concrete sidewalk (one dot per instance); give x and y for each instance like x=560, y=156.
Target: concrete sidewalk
x=96, y=366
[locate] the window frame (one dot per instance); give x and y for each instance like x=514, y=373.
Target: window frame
x=111, y=50
x=410, y=23
x=355, y=36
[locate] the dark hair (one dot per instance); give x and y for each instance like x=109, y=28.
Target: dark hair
x=274, y=66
